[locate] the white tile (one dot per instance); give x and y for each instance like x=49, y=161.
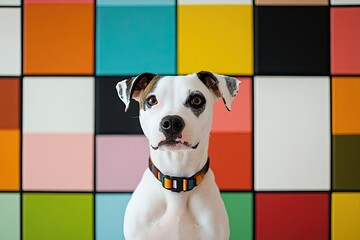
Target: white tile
x=292, y=133
x=10, y=41
x=209, y=2
x=345, y=2
x=10, y=2
x=58, y=104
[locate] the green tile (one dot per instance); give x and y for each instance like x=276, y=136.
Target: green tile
x=58, y=216
x=346, y=162
x=10, y=216
x=239, y=207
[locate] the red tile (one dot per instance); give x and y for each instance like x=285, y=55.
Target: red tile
x=345, y=39
x=231, y=160
x=295, y=216
x=9, y=103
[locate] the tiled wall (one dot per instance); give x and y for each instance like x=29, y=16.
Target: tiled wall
x=287, y=158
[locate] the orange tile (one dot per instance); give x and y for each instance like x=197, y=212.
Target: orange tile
x=9, y=160
x=9, y=103
x=231, y=160
x=58, y=38
x=240, y=117
x=345, y=105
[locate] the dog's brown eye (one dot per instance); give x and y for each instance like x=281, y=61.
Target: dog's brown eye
x=151, y=101
x=196, y=102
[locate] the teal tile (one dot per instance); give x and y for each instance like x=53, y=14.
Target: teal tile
x=135, y=2
x=135, y=39
x=10, y=216
x=239, y=207
x=110, y=210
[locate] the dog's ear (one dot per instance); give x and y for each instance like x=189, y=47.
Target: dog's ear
x=132, y=87
x=222, y=86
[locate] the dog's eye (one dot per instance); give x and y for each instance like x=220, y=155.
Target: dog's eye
x=151, y=101
x=197, y=102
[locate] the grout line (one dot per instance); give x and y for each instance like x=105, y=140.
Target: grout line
x=275, y=191
x=21, y=115
x=254, y=210
x=176, y=37
x=331, y=122
x=10, y=6
x=94, y=102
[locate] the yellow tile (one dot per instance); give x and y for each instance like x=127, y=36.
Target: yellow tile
x=345, y=216
x=216, y=38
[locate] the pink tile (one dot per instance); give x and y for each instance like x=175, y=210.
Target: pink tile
x=240, y=117
x=58, y=162
x=120, y=161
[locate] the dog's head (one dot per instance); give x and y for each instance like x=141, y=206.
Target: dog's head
x=176, y=111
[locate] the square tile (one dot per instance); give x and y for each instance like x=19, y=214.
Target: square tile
x=110, y=110
x=65, y=44
x=58, y=216
x=131, y=40
x=239, y=207
x=215, y=37
x=292, y=40
x=10, y=2
x=10, y=216
x=295, y=216
x=209, y=2
x=345, y=102
x=292, y=2
x=345, y=216
x=62, y=162
x=240, y=117
x=346, y=155
x=292, y=133
x=120, y=161
x=345, y=2
x=345, y=38
x=9, y=160
x=231, y=160
x=10, y=103
x=58, y=104
x=110, y=211
x=58, y=1
x=10, y=41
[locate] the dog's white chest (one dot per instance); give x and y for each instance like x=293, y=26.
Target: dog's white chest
x=199, y=214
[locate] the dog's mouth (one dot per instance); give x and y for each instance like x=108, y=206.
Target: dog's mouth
x=174, y=143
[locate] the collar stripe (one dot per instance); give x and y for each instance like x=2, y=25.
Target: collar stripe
x=179, y=184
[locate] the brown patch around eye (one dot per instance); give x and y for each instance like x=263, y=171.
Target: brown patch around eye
x=150, y=87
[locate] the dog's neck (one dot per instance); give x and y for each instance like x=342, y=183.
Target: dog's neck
x=180, y=163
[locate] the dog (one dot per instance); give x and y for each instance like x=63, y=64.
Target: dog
x=177, y=197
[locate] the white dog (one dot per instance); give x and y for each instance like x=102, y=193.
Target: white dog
x=177, y=197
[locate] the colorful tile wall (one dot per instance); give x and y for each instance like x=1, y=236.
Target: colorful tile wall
x=286, y=158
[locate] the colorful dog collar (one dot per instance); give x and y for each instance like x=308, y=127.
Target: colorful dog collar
x=179, y=184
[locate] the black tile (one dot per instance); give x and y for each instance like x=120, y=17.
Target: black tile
x=292, y=40
x=111, y=117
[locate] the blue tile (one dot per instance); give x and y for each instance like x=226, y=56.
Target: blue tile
x=135, y=39
x=110, y=210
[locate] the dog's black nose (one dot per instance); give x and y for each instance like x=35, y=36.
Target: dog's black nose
x=172, y=124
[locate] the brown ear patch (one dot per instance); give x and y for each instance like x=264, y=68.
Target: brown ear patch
x=149, y=88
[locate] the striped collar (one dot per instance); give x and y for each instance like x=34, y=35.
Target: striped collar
x=179, y=184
